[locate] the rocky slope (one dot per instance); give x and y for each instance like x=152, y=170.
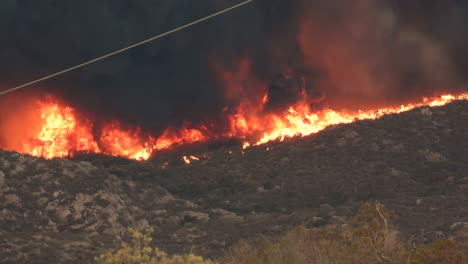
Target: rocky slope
x=67, y=211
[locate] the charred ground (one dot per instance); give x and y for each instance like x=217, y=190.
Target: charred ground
x=66, y=211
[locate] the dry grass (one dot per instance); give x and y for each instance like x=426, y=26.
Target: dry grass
x=370, y=239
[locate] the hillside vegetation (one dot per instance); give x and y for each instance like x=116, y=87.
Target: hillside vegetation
x=71, y=210
x=369, y=239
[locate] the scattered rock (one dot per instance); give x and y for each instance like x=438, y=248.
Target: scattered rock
x=166, y=199
x=284, y=161
x=433, y=156
x=458, y=226
x=12, y=199
x=198, y=216
x=464, y=187
x=315, y=221
x=41, y=166
x=226, y=215
x=341, y=142
x=395, y=172
x=325, y=209
x=351, y=134
x=62, y=214
x=190, y=204
x=4, y=164
x=51, y=226
x=131, y=184
x=398, y=148
x=375, y=147
x=388, y=142
x=19, y=168
x=160, y=212
x=79, y=204
x=338, y=219
x=464, y=180
x=142, y=224
x=426, y=112
x=111, y=198
x=2, y=179
x=460, y=229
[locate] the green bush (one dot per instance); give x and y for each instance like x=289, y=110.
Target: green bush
x=139, y=251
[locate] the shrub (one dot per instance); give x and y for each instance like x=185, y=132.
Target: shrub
x=139, y=251
x=442, y=252
x=370, y=239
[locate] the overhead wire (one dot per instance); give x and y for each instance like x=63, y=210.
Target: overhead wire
x=126, y=48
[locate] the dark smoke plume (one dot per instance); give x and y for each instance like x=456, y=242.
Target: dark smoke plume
x=356, y=52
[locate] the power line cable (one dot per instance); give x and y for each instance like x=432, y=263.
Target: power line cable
x=126, y=48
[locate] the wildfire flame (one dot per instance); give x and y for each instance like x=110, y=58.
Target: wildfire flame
x=63, y=132
x=189, y=159
x=301, y=121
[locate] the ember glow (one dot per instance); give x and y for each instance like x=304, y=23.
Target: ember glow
x=63, y=132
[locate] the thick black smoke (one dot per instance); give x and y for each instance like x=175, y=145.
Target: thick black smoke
x=410, y=46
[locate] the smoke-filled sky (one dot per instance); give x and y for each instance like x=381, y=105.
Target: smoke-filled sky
x=353, y=51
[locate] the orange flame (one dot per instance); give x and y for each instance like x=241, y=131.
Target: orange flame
x=63, y=132
x=125, y=143
x=300, y=120
x=189, y=159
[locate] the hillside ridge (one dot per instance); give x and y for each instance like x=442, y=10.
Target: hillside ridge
x=69, y=210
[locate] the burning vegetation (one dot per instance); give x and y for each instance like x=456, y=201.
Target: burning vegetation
x=63, y=132
x=310, y=65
